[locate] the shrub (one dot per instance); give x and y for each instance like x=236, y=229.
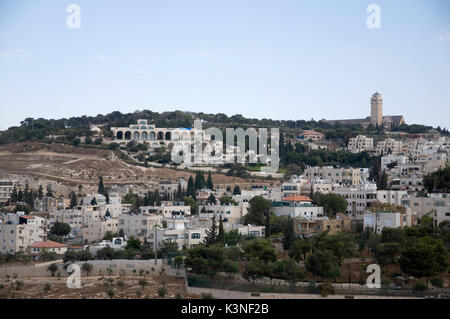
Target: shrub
x=312, y=287
x=437, y=282
x=207, y=295
x=162, y=291
x=420, y=286
x=326, y=289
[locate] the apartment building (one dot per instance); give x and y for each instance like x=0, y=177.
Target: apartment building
x=393, y=159
x=358, y=198
x=376, y=221
x=392, y=197
x=435, y=205
x=167, y=209
x=6, y=188
x=18, y=231
x=47, y=204
x=313, y=136
x=95, y=230
x=389, y=146
x=341, y=176
x=139, y=225
x=184, y=235
x=359, y=144
x=297, y=206
x=230, y=213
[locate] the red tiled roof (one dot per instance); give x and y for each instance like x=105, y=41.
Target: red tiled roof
x=27, y=217
x=47, y=244
x=311, y=132
x=297, y=199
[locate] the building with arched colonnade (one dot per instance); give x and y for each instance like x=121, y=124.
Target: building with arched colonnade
x=142, y=131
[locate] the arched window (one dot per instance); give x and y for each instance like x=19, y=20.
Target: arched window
x=160, y=136
x=144, y=136
x=168, y=136
x=119, y=135
x=128, y=135
x=152, y=136
x=143, y=123
x=135, y=135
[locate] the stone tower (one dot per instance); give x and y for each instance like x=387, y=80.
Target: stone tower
x=376, y=109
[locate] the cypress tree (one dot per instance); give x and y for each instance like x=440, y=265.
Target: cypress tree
x=211, y=234
x=221, y=234
x=40, y=192
x=190, y=187
x=73, y=199
x=101, y=186
x=267, y=230
x=209, y=182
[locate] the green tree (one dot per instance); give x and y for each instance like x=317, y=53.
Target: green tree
x=237, y=190
x=320, y=263
x=259, y=248
x=190, y=188
x=101, y=186
x=40, y=192
x=332, y=203
x=259, y=207
x=424, y=257
x=288, y=235
x=189, y=201
x=87, y=267
x=211, y=234
x=212, y=199
x=133, y=243
x=221, y=235
x=253, y=270
x=52, y=268
x=73, y=199
x=382, y=181
x=438, y=181
x=60, y=229
x=299, y=249
x=209, y=182
x=227, y=200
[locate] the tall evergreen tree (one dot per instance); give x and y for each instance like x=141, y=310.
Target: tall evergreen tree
x=40, y=192
x=221, y=234
x=267, y=230
x=288, y=234
x=211, y=234
x=20, y=196
x=209, y=182
x=212, y=199
x=191, y=187
x=49, y=191
x=94, y=201
x=73, y=199
x=101, y=186
x=282, y=149
x=237, y=190
x=14, y=195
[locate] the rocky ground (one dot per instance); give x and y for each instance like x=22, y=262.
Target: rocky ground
x=65, y=167
x=94, y=288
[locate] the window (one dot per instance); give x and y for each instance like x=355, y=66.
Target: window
x=195, y=236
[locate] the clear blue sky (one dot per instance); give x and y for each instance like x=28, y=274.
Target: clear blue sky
x=264, y=59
